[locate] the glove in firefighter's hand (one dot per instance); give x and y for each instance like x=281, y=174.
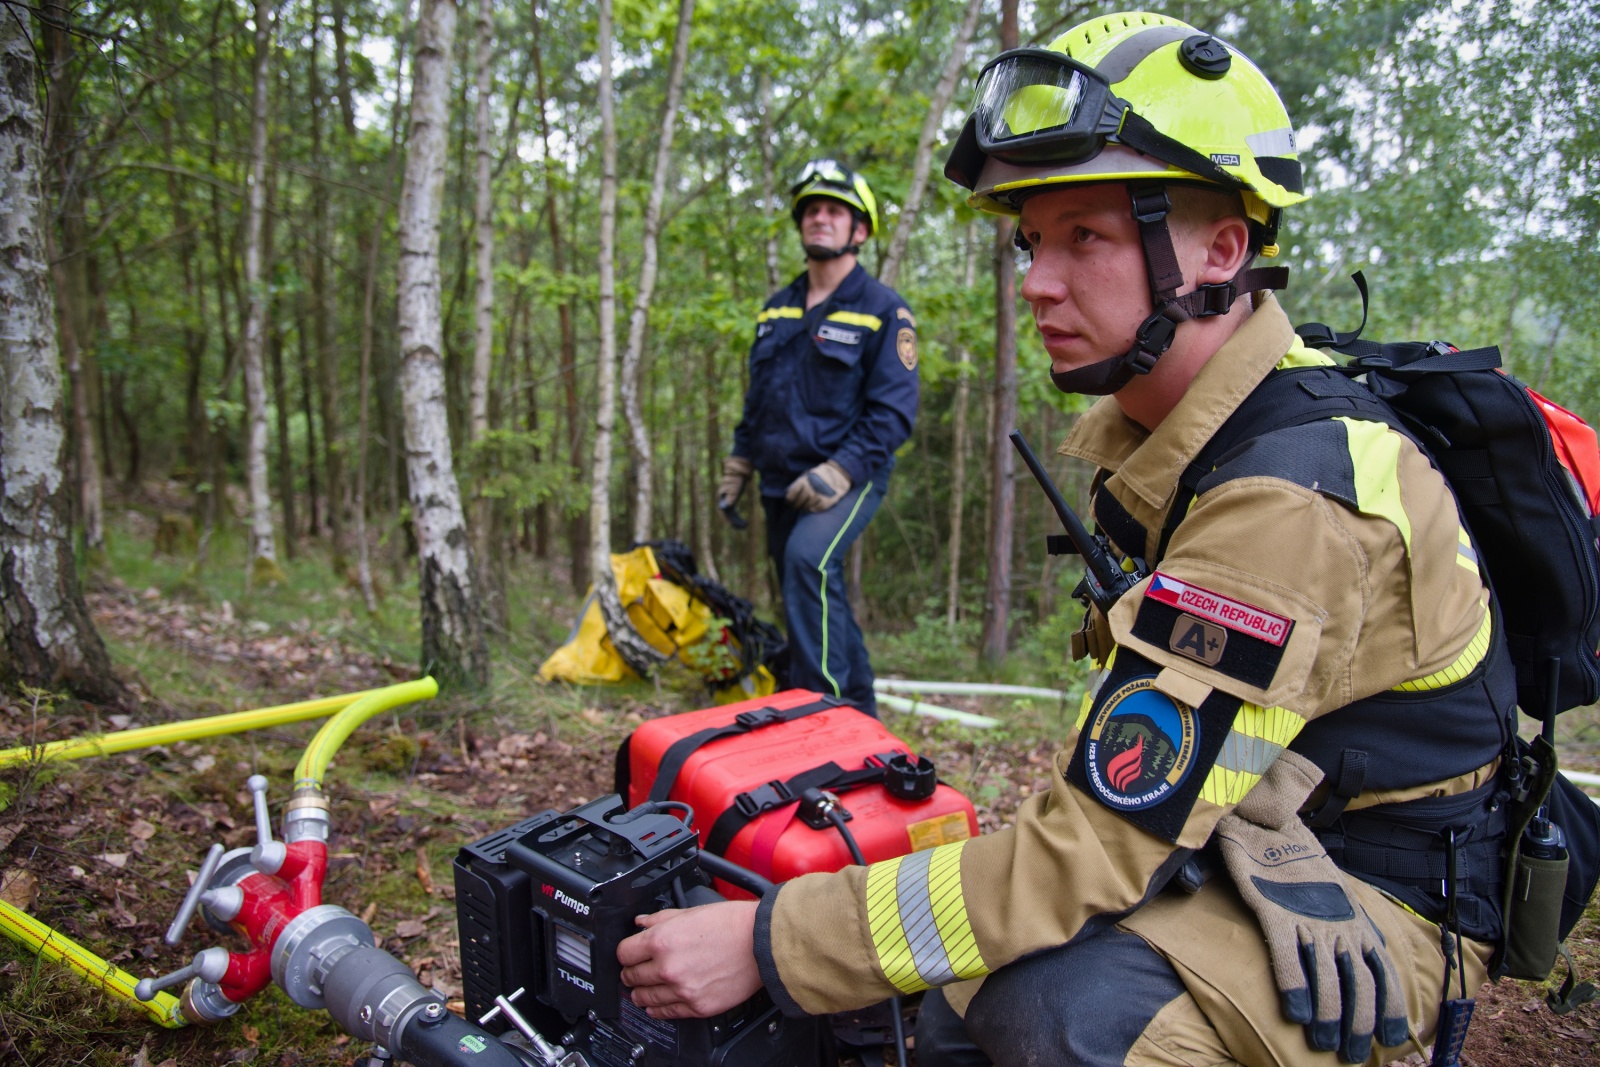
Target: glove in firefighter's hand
x=735, y=473
x=819, y=488
x=694, y=963
x=1334, y=974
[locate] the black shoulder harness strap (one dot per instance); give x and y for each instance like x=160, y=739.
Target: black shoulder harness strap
x=1285, y=398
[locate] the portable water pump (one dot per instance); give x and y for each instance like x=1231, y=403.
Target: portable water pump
x=542, y=907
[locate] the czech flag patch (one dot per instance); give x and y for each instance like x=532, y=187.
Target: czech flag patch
x=1234, y=614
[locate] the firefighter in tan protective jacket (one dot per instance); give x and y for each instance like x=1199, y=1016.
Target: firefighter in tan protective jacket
x=1299, y=712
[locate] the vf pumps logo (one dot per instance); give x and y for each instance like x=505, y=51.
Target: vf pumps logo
x=561, y=898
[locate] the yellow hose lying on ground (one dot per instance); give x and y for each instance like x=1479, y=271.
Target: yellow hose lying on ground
x=22, y=927
x=353, y=709
x=185, y=730
x=314, y=761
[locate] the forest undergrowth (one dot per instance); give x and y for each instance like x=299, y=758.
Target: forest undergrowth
x=100, y=848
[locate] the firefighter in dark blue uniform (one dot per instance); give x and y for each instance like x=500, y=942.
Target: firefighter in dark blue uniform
x=833, y=394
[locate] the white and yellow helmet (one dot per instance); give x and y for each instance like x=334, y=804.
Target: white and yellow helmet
x=1134, y=97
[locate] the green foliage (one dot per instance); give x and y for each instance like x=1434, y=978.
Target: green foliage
x=509, y=466
x=713, y=657
x=1452, y=150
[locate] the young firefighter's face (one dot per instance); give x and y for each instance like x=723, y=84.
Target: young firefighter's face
x=1087, y=285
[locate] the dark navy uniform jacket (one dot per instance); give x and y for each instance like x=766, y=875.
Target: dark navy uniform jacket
x=837, y=382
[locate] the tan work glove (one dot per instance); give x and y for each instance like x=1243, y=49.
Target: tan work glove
x=1334, y=974
x=736, y=472
x=819, y=488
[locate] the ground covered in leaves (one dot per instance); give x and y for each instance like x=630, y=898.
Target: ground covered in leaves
x=101, y=849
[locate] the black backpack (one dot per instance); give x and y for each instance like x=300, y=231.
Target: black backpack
x=1532, y=518
x=1526, y=474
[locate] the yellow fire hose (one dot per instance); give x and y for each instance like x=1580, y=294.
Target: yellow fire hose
x=22, y=927
x=314, y=761
x=186, y=730
x=352, y=710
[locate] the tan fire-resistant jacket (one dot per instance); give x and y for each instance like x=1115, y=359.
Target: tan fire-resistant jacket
x=1296, y=605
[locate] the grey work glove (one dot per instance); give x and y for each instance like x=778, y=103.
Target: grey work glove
x=1334, y=974
x=819, y=488
x=735, y=473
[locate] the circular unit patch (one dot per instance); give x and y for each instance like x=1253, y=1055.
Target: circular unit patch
x=1141, y=746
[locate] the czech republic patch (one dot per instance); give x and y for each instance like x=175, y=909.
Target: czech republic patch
x=1230, y=636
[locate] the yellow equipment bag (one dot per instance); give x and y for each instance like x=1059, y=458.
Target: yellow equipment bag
x=670, y=618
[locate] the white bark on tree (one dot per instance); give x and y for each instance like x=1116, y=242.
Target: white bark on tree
x=958, y=472
x=640, y=656
x=453, y=646
x=483, y=213
x=644, y=467
x=606, y=372
x=263, y=553
x=923, y=160
x=482, y=508
x=48, y=638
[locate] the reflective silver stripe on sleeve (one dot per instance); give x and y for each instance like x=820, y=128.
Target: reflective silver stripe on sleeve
x=916, y=917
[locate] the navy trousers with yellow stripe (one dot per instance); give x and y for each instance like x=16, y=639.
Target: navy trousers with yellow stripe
x=826, y=651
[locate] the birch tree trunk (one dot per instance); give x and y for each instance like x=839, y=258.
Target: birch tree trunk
x=644, y=467
x=70, y=259
x=606, y=371
x=958, y=472
x=634, y=651
x=923, y=160
x=263, y=553
x=483, y=212
x=453, y=645
x=483, y=342
x=49, y=640
x=1002, y=489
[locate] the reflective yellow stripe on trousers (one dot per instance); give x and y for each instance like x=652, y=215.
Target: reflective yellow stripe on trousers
x=919, y=920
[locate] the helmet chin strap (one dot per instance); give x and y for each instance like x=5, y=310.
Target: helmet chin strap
x=822, y=253
x=1151, y=206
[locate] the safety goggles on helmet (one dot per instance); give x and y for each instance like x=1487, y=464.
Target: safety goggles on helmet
x=1034, y=105
x=823, y=171
x=1039, y=106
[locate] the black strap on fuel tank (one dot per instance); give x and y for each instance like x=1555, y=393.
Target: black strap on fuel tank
x=678, y=753
x=751, y=805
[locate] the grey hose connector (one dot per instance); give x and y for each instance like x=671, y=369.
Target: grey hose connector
x=368, y=992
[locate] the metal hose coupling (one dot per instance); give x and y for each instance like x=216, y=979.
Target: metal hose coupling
x=306, y=817
x=376, y=998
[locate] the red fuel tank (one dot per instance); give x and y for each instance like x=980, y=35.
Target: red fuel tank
x=742, y=766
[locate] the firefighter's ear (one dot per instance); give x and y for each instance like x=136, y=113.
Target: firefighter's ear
x=1227, y=246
